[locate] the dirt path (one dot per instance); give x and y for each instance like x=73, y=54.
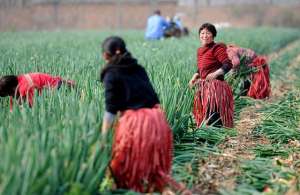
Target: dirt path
x=219, y=171
x=282, y=86
x=289, y=47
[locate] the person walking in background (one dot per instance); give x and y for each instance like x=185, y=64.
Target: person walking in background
x=156, y=25
x=213, y=101
x=23, y=86
x=143, y=141
x=257, y=82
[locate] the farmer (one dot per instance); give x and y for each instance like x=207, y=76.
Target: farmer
x=156, y=24
x=213, y=101
x=175, y=28
x=257, y=85
x=143, y=142
x=23, y=86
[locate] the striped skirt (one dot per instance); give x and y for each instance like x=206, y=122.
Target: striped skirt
x=213, y=97
x=142, y=150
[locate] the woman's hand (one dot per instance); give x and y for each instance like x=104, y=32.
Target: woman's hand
x=69, y=83
x=195, y=77
x=108, y=120
x=214, y=75
x=105, y=127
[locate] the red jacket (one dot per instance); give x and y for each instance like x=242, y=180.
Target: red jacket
x=211, y=57
x=27, y=83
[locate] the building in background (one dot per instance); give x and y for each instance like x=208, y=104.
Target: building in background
x=132, y=14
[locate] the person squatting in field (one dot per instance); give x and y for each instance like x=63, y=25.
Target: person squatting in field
x=213, y=101
x=23, y=86
x=156, y=24
x=175, y=28
x=257, y=84
x=143, y=141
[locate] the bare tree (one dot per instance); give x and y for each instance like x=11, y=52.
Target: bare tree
x=208, y=2
x=195, y=10
x=153, y=5
x=119, y=13
x=56, y=4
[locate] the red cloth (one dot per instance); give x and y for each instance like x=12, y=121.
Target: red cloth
x=142, y=150
x=27, y=83
x=211, y=57
x=213, y=96
x=260, y=87
x=235, y=54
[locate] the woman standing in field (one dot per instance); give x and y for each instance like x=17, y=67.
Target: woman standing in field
x=213, y=100
x=257, y=85
x=143, y=142
x=23, y=86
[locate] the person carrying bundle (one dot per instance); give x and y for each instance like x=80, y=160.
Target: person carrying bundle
x=23, y=86
x=257, y=81
x=143, y=141
x=213, y=101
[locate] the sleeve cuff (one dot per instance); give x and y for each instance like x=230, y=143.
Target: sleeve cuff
x=108, y=116
x=226, y=68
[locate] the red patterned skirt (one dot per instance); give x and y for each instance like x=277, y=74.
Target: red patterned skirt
x=142, y=150
x=213, y=97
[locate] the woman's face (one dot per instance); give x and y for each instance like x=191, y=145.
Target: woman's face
x=106, y=57
x=206, y=37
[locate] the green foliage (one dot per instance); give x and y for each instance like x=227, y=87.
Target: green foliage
x=281, y=119
x=54, y=147
x=261, y=173
x=271, y=150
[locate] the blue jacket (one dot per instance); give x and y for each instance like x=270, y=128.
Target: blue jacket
x=155, y=27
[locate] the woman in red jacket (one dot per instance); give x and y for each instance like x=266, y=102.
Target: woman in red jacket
x=213, y=102
x=143, y=140
x=23, y=86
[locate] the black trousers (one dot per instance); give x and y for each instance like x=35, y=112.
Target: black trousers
x=214, y=119
x=245, y=87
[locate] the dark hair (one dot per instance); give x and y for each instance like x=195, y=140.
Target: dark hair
x=113, y=44
x=210, y=27
x=157, y=12
x=8, y=84
x=122, y=59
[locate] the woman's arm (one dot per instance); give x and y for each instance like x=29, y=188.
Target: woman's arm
x=221, y=55
x=216, y=74
x=69, y=83
x=194, y=79
x=196, y=76
x=112, y=101
x=107, y=122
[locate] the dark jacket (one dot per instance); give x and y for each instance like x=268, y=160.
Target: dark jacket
x=127, y=86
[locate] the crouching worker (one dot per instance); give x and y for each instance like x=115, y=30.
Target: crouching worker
x=23, y=86
x=143, y=143
x=257, y=84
